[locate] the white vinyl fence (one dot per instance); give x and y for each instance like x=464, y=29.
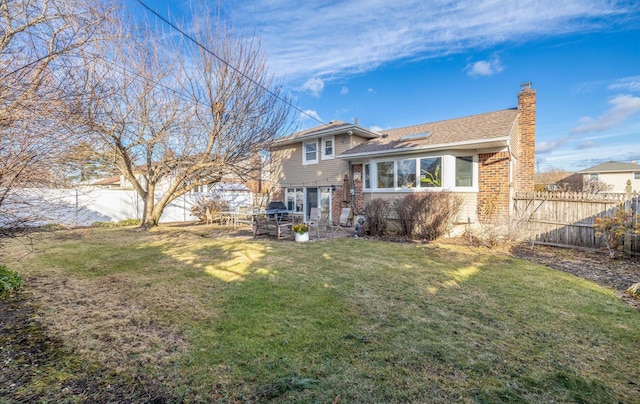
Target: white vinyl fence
x=82, y=207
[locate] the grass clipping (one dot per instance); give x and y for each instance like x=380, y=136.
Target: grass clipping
x=103, y=324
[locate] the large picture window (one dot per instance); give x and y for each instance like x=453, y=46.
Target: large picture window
x=310, y=152
x=431, y=172
x=406, y=173
x=385, y=174
x=464, y=171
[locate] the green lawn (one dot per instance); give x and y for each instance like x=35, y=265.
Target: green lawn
x=343, y=320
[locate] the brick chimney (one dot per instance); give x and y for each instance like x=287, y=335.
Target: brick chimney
x=527, y=138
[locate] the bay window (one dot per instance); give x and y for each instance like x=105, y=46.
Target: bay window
x=406, y=173
x=464, y=171
x=439, y=172
x=385, y=174
x=431, y=172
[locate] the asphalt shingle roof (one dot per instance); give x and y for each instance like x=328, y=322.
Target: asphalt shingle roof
x=482, y=127
x=612, y=166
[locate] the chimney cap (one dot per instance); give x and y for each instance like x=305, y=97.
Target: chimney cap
x=526, y=86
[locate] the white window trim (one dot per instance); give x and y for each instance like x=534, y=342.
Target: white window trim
x=304, y=153
x=333, y=147
x=448, y=175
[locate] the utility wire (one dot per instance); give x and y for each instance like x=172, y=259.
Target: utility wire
x=190, y=38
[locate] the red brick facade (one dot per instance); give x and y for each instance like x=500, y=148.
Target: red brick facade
x=358, y=198
x=527, y=132
x=493, y=185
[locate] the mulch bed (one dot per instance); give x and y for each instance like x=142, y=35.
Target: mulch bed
x=618, y=274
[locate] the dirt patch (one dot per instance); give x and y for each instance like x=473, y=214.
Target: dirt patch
x=104, y=322
x=35, y=367
x=618, y=274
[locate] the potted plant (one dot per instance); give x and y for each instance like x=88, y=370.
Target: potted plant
x=301, y=231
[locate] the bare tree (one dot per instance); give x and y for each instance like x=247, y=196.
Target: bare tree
x=36, y=36
x=176, y=120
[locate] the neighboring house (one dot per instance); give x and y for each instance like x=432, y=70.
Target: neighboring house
x=112, y=182
x=484, y=158
x=616, y=174
x=553, y=181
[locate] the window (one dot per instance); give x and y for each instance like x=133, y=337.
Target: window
x=367, y=176
x=431, y=172
x=310, y=153
x=295, y=199
x=385, y=174
x=636, y=175
x=593, y=177
x=327, y=148
x=406, y=173
x=464, y=171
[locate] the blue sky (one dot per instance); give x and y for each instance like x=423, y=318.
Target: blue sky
x=400, y=63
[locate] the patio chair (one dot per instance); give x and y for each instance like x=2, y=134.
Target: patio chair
x=345, y=219
x=314, y=220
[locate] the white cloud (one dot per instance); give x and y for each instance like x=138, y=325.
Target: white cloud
x=549, y=146
x=484, y=67
x=623, y=106
x=371, y=90
x=376, y=129
x=329, y=40
x=631, y=83
x=309, y=114
x=314, y=86
x=344, y=91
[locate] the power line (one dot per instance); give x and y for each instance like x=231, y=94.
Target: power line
x=190, y=38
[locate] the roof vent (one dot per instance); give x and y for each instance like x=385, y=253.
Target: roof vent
x=415, y=136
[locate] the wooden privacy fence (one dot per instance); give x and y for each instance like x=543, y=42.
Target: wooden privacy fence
x=567, y=218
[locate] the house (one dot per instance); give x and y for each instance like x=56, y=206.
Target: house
x=616, y=174
x=484, y=158
x=555, y=180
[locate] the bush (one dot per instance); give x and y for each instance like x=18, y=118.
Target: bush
x=376, y=213
x=10, y=281
x=434, y=214
x=208, y=202
x=612, y=229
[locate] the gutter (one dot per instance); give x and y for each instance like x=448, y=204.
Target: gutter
x=355, y=129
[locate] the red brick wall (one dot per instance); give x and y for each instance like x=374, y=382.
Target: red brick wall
x=493, y=186
x=358, y=198
x=523, y=179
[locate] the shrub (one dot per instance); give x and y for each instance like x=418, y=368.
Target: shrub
x=376, y=213
x=406, y=209
x=500, y=231
x=10, y=281
x=208, y=202
x=434, y=214
x=427, y=215
x=612, y=229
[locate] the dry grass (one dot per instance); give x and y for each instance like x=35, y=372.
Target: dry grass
x=226, y=319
